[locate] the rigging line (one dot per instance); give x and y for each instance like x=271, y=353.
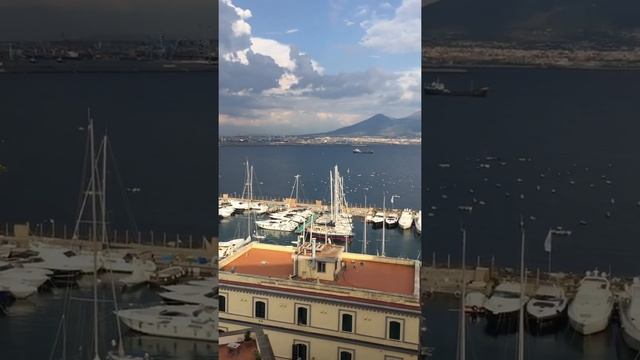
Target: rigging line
x=125, y=200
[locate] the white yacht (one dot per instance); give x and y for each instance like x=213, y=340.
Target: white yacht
x=189, y=294
x=591, y=309
x=125, y=262
x=630, y=316
x=503, y=306
x=177, y=321
x=277, y=224
x=225, y=211
x=29, y=276
x=474, y=302
x=377, y=220
x=547, y=308
x=226, y=248
x=62, y=261
x=391, y=221
x=418, y=222
x=17, y=288
x=406, y=219
x=240, y=205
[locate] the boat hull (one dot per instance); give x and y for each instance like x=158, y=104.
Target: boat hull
x=504, y=322
x=546, y=324
x=591, y=327
x=630, y=333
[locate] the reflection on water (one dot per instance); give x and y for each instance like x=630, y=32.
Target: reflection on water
x=39, y=318
x=442, y=319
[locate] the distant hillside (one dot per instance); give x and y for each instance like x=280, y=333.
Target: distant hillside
x=382, y=125
x=531, y=19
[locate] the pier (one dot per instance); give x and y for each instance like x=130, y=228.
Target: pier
x=357, y=210
x=183, y=253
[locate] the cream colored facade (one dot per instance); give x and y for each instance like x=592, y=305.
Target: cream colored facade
x=326, y=317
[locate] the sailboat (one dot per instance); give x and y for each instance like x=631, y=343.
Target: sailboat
x=227, y=248
x=339, y=227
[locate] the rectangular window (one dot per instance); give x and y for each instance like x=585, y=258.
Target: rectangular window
x=260, y=309
x=394, y=330
x=321, y=267
x=346, y=322
x=302, y=315
x=222, y=303
x=346, y=354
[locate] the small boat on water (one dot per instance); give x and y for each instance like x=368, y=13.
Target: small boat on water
x=362, y=150
x=193, y=322
x=391, y=221
x=547, y=309
x=189, y=294
x=168, y=276
x=225, y=211
x=590, y=311
x=630, y=316
x=406, y=219
x=126, y=262
x=377, y=220
x=418, y=222
x=503, y=307
x=474, y=302
x=277, y=225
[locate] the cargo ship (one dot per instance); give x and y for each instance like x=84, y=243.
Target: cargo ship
x=438, y=88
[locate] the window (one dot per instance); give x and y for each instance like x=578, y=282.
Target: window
x=260, y=309
x=300, y=352
x=302, y=315
x=222, y=303
x=347, y=322
x=321, y=267
x=346, y=355
x=395, y=330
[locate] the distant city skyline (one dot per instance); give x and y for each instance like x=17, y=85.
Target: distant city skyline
x=297, y=67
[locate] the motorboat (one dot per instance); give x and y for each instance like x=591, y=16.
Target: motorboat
x=125, y=262
x=378, y=220
x=194, y=322
x=474, y=302
x=138, y=277
x=167, y=276
x=227, y=248
x=63, y=259
x=591, y=309
x=189, y=294
x=240, y=205
x=33, y=277
x=548, y=308
x=418, y=222
x=391, y=221
x=225, y=211
x=259, y=208
x=277, y=224
x=503, y=307
x=19, y=289
x=630, y=316
x=406, y=219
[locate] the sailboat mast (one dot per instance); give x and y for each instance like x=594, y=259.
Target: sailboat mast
x=250, y=200
x=522, y=288
x=103, y=191
x=364, y=222
x=384, y=220
x=94, y=239
x=463, y=296
x=331, y=194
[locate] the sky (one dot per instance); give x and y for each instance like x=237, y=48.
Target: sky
x=82, y=19
x=298, y=67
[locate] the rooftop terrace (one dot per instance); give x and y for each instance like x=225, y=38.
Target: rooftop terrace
x=364, y=272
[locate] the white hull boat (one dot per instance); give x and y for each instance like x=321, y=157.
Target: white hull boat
x=503, y=306
x=226, y=211
x=126, y=263
x=17, y=289
x=189, y=294
x=548, y=308
x=277, y=225
x=418, y=222
x=590, y=311
x=630, y=317
x=406, y=219
x=177, y=321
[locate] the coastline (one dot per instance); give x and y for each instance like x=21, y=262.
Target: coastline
x=432, y=67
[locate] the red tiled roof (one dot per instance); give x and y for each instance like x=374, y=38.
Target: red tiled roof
x=371, y=275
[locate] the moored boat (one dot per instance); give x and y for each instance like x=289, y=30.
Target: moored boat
x=177, y=321
x=406, y=219
x=630, y=316
x=590, y=311
x=547, y=309
x=503, y=307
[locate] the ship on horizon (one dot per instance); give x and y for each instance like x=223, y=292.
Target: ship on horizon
x=438, y=88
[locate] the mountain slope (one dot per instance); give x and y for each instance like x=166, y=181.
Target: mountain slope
x=382, y=125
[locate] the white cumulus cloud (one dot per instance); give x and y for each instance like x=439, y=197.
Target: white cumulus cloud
x=400, y=34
